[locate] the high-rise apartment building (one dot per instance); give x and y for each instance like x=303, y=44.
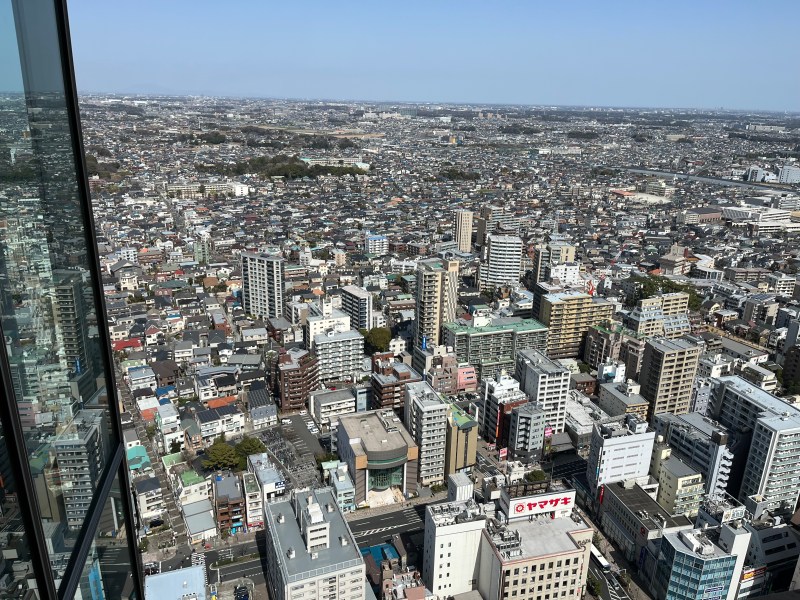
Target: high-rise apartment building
x=773, y=427
x=64, y=484
x=547, y=255
x=668, y=371
x=462, y=230
x=546, y=382
x=426, y=420
x=437, y=298
x=340, y=355
x=262, y=284
x=700, y=442
x=494, y=219
x=568, y=317
x=490, y=344
x=357, y=304
x=664, y=315
x=503, y=263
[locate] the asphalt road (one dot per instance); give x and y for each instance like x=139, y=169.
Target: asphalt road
x=379, y=528
x=305, y=442
x=610, y=589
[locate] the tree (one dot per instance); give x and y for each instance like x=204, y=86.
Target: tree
x=175, y=446
x=250, y=445
x=151, y=432
x=220, y=457
x=592, y=585
x=537, y=475
x=377, y=340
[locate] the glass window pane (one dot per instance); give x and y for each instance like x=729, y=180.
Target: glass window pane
x=49, y=315
x=107, y=572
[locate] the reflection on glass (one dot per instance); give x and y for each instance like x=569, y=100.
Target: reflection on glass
x=48, y=313
x=107, y=571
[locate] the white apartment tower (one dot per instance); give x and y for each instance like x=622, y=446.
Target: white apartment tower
x=503, y=262
x=462, y=230
x=357, y=303
x=262, y=285
x=437, y=297
x=426, y=420
x=546, y=382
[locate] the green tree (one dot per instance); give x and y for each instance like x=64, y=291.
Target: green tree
x=250, y=445
x=592, y=585
x=537, y=475
x=221, y=456
x=175, y=446
x=377, y=339
x=151, y=432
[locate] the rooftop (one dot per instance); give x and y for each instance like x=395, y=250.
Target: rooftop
x=287, y=536
x=177, y=584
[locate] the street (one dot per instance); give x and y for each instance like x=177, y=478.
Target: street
x=377, y=529
x=610, y=589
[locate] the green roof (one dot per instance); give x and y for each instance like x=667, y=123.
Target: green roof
x=519, y=326
x=172, y=459
x=137, y=458
x=191, y=478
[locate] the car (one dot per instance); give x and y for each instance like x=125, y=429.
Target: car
x=156, y=523
x=314, y=430
x=286, y=421
x=303, y=413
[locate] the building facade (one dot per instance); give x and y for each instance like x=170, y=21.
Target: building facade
x=262, y=284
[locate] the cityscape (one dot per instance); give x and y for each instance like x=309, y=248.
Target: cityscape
x=264, y=348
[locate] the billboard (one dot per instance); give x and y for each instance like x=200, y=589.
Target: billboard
x=542, y=503
x=503, y=453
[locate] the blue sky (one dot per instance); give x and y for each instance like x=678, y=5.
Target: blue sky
x=703, y=54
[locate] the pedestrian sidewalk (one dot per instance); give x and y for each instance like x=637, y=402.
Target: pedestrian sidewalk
x=365, y=513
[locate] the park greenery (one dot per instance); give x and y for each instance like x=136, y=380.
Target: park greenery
x=650, y=286
x=279, y=165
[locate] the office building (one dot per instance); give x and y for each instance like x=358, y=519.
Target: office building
x=262, y=284
x=437, y=298
x=546, y=382
x=380, y=455
x=503, y=263
x=568, y=317
x=389, y=381
x=451, y=549
x=701, y=443
x=668, y=371
x=773, y=426
x=426, y=420
x=462, y=230
x=253, y=501
x=491, y=343
x=357, y=304
x=700, y=564
x=500, y=396
x=311, y=552
x=62, y=456
x=187, y=582
x=340, y=355
x=619, y=451
x=543, y=543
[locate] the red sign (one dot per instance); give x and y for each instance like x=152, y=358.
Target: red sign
x=535, y=505
x=503, y=453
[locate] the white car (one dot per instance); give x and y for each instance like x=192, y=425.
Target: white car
x=303, y=413
x=286, y=421
x=314, y=430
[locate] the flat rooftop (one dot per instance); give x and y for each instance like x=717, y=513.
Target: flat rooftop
x=379, y=431
x=544, y=536
x=637, y=500
x=288, y=535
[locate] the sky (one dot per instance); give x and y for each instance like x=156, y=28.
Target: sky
x=701, y=54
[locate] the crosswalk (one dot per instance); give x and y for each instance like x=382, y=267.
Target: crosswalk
x=409, y=519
